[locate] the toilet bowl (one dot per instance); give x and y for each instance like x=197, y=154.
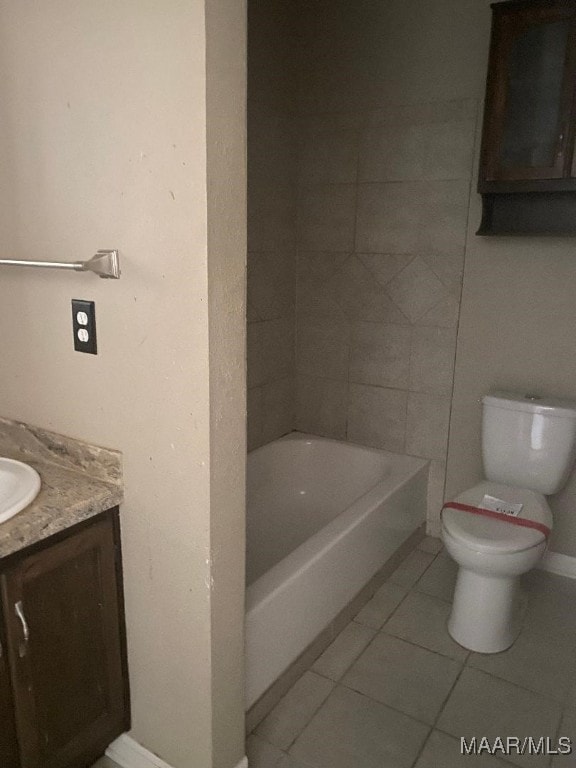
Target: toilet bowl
x=528, y=448
x=491, y=554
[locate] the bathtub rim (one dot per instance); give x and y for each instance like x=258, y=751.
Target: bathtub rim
x=404, y=468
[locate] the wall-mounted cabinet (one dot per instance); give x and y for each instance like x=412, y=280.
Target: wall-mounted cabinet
x=63, y=674
x=527, y=174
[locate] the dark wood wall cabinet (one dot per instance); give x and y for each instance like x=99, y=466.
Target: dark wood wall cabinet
x=63, y=671
x=527, y=174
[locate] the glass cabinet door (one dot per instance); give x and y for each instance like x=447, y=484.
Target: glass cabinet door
x=530, y=94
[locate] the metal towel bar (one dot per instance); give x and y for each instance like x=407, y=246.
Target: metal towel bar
x=103, y=264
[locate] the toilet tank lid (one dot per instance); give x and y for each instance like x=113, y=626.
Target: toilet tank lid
x=532, y=403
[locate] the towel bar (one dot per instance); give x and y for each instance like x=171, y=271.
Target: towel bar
x=103, y=264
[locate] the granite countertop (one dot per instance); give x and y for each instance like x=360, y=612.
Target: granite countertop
x=78, y=481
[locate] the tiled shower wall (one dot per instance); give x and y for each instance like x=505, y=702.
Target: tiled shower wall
x=271, y=221
x=357, y=225
x=382, y=214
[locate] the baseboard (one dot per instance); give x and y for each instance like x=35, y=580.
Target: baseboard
x=129, y=754
x=561, y=565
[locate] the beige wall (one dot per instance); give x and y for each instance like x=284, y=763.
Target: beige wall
x=106, y=132
x=517, y=331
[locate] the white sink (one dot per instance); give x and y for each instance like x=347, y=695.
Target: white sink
x=19, y=485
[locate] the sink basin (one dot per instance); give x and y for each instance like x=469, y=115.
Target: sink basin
x=19, y=485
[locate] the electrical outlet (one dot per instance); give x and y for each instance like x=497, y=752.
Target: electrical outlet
x=84, y=326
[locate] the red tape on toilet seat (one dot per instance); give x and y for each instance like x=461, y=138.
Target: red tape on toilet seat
x=498, y=516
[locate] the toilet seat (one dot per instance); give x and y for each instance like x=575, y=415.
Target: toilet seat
x=486, y=535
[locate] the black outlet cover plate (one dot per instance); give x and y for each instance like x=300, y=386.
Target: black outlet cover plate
x=84, y=326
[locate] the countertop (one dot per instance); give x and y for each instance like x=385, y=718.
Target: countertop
x=79, y=480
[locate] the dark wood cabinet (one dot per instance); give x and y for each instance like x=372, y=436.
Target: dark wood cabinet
x=63, y=672
x=9, y=755
x=527, y=174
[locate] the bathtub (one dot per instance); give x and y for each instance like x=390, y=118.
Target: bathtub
x=322, y=518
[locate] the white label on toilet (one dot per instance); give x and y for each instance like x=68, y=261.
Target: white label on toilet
x=512, y=508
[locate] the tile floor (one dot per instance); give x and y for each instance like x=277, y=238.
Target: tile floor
x=395, y=691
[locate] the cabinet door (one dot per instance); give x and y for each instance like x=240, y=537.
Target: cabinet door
x=8, y=741
x=63, y=633
x=528, y=132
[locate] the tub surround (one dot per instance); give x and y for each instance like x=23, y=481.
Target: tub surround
x=79, y=481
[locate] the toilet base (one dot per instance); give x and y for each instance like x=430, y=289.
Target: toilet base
x=487, y=611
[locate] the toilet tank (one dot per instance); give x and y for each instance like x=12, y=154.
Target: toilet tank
x=528, y=441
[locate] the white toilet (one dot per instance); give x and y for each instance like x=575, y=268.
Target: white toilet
x=528, y=448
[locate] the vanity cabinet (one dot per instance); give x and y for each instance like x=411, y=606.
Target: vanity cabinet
x=527, y=174
x=63, y=671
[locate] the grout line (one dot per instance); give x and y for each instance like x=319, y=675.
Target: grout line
x=477, y=137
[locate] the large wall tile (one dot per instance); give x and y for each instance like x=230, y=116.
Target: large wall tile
x=278, y=409
x=427, y=424
x=416, y=289
x=431, y=151
x=329, y=156
x=326, y=214
x=271, y=284
x=380, y=354
x=323, y=348
x=361, y=296
x=442, y=315
x=319, y=266
x=432, y=360
x=317, y=301
x=385, y=266
x=271, y=217
x=270, y=351
x=449, y=267
x=321, y=406
x=277, y=349
x=424, y=113
x=377, y=417
x=412, y=217
x=272, y=147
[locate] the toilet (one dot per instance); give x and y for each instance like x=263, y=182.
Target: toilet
x=497, y=530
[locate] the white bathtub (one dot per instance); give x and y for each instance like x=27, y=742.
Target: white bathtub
x=322, y=518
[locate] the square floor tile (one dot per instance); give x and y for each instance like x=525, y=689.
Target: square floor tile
x=482, y=705
x=431, y=544
x=294, y=711
x=382, y=605
x=288, y=761
x=261, y=754
x=544, y=665
x=571, y=700
x=421, y=619
x=551, y=609
x=567, y=731
x=351, y=731
x=344, y=650
x=411, y=568
x=411, y=679
x=443, y=751
x=440, y=578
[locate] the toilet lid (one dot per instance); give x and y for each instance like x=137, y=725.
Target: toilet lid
x=486, y=534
